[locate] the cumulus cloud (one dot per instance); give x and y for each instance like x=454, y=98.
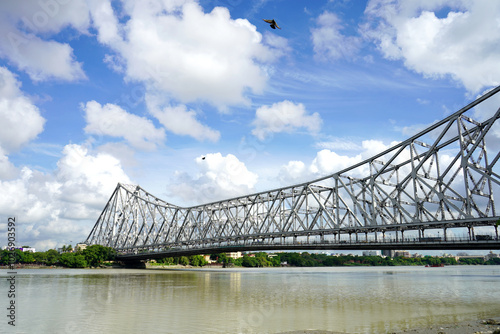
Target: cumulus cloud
x=284, y=116
x=7, y=169
x=26, y=25
x=181, y=121
x=177, y=48
x=20, y=118
x=61, y=206
x=220, y=177
x=328, y=41
x=328, y=162
x=438, y=45
x=112, y=120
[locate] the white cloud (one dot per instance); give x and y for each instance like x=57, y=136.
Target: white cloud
x=284, y=116
x=340, y=144
x=179, y=120
x=88, y=179
x=220, y=177
x=464, y=44
x=191, y=55
x=328, y=162
x=7, y=169
x=61, y=206
x=328, y=41
x=27, y=25
x=20, y=118
x=293, y=172
x=111, y=120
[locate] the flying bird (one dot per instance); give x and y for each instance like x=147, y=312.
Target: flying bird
x=273, y=23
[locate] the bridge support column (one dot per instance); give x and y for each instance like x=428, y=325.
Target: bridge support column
x=135, y=264
x=471, y=232
x=496, y=230
x=350, y=237
x=444, y=231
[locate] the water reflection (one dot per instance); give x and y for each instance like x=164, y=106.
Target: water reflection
x=361, y=300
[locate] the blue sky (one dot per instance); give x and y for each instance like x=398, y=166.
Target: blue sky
x=98, y=92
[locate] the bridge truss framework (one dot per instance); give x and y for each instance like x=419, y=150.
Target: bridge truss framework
x=444, y=177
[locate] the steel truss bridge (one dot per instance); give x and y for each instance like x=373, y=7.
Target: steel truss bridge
x=434, y=190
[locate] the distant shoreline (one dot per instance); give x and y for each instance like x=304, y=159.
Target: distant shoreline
x=214, y=266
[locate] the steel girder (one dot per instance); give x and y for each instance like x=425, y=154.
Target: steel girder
x=442, y=177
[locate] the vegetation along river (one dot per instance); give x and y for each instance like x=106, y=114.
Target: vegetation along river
x=243, y=300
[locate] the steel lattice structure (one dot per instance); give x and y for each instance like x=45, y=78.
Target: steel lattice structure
x=443, y=177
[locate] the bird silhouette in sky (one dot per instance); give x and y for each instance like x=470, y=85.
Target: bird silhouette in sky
x=273, y=23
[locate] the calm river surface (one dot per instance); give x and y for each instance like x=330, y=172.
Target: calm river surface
x=269, y=300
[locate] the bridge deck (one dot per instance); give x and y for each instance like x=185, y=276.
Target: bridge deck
x=410, y=244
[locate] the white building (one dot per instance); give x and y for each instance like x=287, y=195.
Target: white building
x=491, y=255
x=371, y=253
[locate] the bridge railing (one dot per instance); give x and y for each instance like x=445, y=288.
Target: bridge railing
x=372, y=243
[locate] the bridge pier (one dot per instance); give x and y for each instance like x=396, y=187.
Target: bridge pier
x=134, y=264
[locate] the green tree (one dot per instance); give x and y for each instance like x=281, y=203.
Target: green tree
x=197, y=260
x=4, y=257
x=249, y=261
x=51, y=257
x=184, y=260
x=96, y=254
x=67, y=260
x=73, y=260
x=28, y=257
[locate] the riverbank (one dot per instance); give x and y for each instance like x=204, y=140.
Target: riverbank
x=491, y=325
x=487, y=326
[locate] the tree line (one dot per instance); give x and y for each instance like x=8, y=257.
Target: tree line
x=306, y=259
x=97, y=255
x=92, y=256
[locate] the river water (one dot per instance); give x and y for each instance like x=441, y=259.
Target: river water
x=267, y=300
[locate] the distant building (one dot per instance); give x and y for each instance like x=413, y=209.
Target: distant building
x=491, y=255
x=80, y=247
x=402, y=253
x=371, y=253
x=234, y=255
x=22, y=249
x=388, y=252
x=470, y=257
